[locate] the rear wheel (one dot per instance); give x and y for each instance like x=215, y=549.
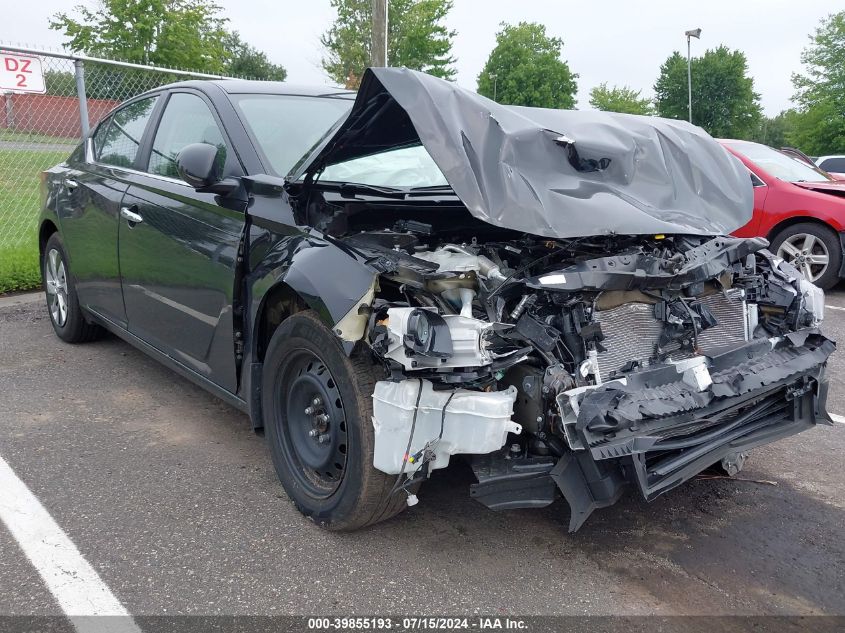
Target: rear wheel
x=62, y=304
x=317, y=405
x=813, y=249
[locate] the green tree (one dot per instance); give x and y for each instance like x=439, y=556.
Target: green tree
x=525, y=68
x=61, y=83
x=187, y=34
x=820, y=125
x=416, y=39
x=723, y=99
x=247, y=61
x=777, y=130
x=174, y=33
x=616, y=99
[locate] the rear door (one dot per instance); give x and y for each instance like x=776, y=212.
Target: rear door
x=179, y=248
x=89, y=206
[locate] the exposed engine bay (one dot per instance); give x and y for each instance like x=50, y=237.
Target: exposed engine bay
x=579, y=365
x=560, y=311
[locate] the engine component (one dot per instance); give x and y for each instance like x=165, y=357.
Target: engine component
x=526, y=302
x=426, y=334
x=642, y=367
x=624, y=351
x=406, y=326
x=461, y=298
x=454, y=258
x=731, y=312
x=437, y=424
x=543, y=337
x=528, y=381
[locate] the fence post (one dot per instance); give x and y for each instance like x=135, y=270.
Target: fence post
x=10, y=111
x=79, y=71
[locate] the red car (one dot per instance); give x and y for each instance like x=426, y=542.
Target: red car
x=800, y=209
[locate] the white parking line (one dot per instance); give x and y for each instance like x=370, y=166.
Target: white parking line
x=75, y=585
x=830, y=307
x=837, y=418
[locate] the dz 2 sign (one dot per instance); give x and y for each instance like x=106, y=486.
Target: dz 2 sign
x=21, y=73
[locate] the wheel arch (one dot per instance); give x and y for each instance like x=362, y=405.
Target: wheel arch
x=319, y=277
x=797, y=219
x=47, y=228
x=280, y=302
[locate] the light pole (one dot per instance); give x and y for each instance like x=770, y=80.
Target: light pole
x=493, y=77
x=696, y=33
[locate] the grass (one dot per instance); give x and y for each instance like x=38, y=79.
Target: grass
x=19, y=207
x=19, y=269
x=12, y=136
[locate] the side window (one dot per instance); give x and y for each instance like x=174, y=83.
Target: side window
x=186, y=119
x=119, y=140
x=836, y=165
x=100, y=137
x=755, y=180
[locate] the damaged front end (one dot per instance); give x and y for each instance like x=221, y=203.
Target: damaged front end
x=514, y=327
x=557, y=368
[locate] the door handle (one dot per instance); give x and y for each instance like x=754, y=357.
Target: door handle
x=130, y=216
x=70, y=183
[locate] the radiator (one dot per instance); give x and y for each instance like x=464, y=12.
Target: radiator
x=631, y=331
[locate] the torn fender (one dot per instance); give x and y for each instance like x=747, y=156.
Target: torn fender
x=333, y=281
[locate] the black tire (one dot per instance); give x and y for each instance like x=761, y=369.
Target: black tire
x=68, y=321
x=305, y=360
x=827, y=240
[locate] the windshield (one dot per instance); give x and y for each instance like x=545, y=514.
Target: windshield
x=777, y=163
x=285, y=127
x=404, y=167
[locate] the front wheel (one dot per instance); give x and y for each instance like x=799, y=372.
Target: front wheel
x=317, y=405
x=813, y=249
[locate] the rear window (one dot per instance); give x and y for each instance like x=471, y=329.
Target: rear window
x=116, y=141
x=286, y=127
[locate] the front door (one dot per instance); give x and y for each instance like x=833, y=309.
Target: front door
x=179, y=249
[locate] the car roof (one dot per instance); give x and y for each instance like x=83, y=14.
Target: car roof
x=727, y=141
x=246, y=86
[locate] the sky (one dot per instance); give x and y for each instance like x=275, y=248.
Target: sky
x=621, y=42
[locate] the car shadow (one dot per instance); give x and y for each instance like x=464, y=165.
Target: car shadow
x=714, y=530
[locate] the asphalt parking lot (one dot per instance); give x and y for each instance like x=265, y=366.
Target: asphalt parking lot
x=173, y=501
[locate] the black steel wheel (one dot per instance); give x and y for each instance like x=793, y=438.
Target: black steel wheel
x=315, y=437
x=317, y=406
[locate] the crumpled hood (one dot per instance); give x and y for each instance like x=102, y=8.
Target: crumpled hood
x=553, y=173
x=834, y=188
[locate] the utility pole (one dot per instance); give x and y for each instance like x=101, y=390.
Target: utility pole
x=379, y=42
x=696, y=33
x=493, y=77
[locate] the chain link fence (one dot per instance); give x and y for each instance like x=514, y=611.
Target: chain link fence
x=38, y=131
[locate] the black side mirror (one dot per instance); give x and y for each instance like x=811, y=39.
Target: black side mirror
x=197, y=164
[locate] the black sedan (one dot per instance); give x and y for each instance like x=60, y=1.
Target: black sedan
x=388, y=279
